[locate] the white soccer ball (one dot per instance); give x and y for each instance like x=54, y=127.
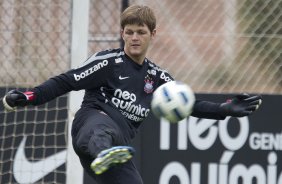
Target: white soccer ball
x=173, y=101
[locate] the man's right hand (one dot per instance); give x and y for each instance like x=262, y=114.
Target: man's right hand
x=15, y=98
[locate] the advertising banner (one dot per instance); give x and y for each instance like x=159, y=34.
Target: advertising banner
x=200, y=151
x=33, y=143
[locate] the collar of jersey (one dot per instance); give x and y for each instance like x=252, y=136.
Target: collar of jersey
x=133, y=63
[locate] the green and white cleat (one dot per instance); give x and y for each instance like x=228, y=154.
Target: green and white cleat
x=110, y=157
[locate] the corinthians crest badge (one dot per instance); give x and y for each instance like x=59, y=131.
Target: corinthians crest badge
x=148, y=88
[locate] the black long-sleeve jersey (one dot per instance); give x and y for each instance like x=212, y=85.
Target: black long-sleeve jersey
x=118, y=86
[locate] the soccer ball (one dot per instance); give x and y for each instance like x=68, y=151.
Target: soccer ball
x=173, y=101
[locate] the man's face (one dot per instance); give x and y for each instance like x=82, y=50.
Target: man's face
x=136, y=41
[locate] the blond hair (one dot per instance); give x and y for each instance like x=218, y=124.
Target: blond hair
x=140, y=15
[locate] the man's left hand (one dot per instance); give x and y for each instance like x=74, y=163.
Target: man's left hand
x=241, y=105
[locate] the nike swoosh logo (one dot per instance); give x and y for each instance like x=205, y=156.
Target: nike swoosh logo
x=30, y=172
x=122, y=78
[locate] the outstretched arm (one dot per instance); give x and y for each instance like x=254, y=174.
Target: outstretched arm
x=83, y=77
x=47, y=91
x=239, y=106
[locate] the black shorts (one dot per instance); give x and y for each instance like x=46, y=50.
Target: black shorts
x=94, y=131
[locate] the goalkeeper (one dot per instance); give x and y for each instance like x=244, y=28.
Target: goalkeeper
x=118, y=86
